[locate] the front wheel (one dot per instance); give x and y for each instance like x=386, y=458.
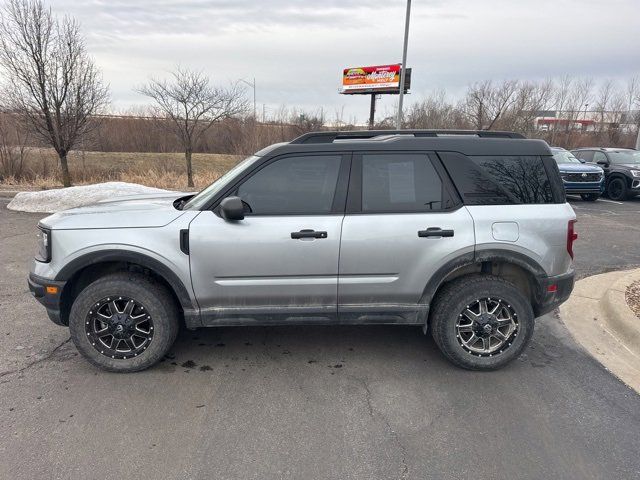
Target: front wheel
x=124, y=322
x=617, y=189
x=481, y=322
x=590, y=197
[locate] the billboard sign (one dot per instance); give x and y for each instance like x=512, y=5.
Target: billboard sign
x=376, y=79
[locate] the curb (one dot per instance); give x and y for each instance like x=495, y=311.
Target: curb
x=8, y=194
x=622, y=319
x=598, y=317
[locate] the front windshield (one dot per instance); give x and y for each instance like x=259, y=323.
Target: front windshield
x=564, y=156
x=625, y=156
x=201, y=199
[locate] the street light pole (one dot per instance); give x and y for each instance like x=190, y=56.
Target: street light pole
x=403, y=69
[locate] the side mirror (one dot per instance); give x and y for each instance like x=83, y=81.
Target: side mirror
x=232, y=208
x=604, y=163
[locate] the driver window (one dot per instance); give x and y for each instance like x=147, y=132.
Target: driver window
x=293, y=185
x=599, y=157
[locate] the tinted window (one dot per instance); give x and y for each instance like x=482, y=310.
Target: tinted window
x=625, y=156
x=586, y=155
x=483, y=180
x=399, y=183
x=599, y=157
x=293, y=185
x=563, y=156
x=523, y=178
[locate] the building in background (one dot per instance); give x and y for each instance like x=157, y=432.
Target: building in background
x=587, y=120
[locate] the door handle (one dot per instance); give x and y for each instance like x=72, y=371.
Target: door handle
x=308, y=234
x=435, y=232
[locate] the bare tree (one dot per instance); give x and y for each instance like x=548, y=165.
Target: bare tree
x=189, y=106
x=603, y=100
x=13, y=147
x=485, y=103
x=476, y=104
x=632, y=95
x=53, y=84
x=502, y=98
x=435, y=111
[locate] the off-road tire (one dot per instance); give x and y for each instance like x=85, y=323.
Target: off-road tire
x=160, y=305
x=452, y=299
x=590, y=197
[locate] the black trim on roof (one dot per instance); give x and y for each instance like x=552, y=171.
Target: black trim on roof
x=330, y=137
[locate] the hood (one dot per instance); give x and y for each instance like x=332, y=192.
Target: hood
x=134, y=211
x=578, y=168
x=630, y=166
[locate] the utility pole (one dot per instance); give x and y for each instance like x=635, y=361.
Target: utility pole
x=252, y=85
x=403, y=69
x=372, y=111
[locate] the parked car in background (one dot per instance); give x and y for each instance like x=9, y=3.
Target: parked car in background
x=621, y=168
x=579, y=178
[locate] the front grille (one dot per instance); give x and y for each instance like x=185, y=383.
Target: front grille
x=582, y=177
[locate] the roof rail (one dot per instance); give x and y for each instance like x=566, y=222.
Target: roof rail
x=330, y=137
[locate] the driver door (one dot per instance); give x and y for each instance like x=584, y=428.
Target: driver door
x=280, y=263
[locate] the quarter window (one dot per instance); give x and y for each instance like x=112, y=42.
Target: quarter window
x=523, y=178
x=293, y=185
x=499, y=180
x=400, y=183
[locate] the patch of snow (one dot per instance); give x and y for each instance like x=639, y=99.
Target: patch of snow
x=51, y=201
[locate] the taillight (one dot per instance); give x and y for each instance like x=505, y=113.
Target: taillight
x=572, y=236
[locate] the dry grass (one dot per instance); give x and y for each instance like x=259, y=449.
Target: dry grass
x=633, y=297
x=162, y=170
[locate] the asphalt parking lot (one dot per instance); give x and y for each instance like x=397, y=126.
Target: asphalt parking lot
x=314, y=402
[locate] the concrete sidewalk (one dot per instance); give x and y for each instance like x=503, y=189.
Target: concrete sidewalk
x=598, y=316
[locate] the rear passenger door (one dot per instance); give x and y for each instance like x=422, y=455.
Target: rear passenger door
x=403, y=222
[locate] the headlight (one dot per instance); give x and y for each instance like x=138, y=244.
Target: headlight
x=43, y=250
x=635, y=173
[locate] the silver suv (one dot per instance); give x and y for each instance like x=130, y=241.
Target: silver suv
x=466, y=234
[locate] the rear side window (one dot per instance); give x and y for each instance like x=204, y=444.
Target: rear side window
x=499, y=180
x=396, y=182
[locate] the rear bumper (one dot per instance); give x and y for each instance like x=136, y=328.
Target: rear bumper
x=553, y=291
x=46, y=296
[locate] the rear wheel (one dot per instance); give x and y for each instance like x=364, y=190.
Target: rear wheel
x=124, y=322
x=481, y=322
x=617, y=189
x=590, y=197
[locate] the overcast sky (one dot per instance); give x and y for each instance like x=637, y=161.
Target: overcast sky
x=296, y=50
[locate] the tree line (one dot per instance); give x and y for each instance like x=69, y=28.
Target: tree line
x=55, y=96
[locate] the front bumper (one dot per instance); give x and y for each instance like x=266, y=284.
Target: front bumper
x=49, y=294
x=584, y=187
x=553, y=291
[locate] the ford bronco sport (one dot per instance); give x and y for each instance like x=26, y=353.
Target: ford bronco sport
x=466, y=234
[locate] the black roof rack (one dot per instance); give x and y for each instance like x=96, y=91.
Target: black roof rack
x=330, y=137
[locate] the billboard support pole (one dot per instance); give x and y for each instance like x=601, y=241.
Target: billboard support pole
x=372, y=111
x=404, y=66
